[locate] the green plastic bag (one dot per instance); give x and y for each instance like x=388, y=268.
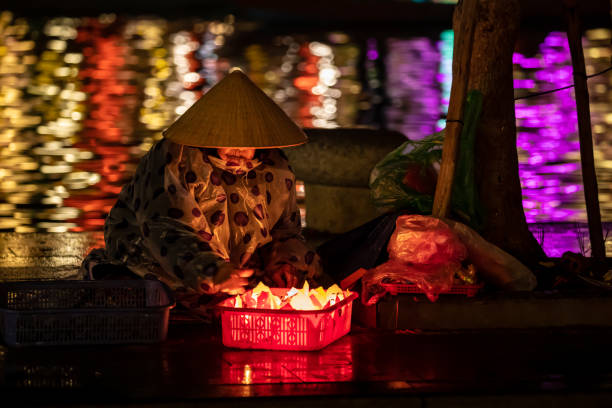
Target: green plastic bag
x=390, y=193
x=387, y=190
x=464, y=201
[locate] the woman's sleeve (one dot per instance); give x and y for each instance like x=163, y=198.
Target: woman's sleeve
x=182, y=253
x=173, y=228
x=289, y=246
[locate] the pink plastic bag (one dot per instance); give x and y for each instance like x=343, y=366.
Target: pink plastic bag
x=422, y=240
x=422, y=250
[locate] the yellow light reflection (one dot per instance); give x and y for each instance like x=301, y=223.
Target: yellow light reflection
x=248, y=375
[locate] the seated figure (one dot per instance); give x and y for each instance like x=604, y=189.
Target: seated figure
x=214, y=202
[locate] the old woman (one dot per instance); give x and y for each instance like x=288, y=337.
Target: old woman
x=214, y=202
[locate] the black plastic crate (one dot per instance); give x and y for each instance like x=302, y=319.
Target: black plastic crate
x=84, y=312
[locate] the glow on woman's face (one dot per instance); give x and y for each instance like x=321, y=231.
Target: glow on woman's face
x=227, y=153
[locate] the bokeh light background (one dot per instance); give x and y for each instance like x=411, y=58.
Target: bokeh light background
x=82, y=99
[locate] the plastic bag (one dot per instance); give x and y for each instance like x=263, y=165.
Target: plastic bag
x=405, y=179
x=424, y=241
x=389, y=188
x=464, y=200
x=422, y=250
x=494, y=265
x=362, y=247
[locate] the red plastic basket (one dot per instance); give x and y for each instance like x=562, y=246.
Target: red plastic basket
x=468, y=290
x=249, y=328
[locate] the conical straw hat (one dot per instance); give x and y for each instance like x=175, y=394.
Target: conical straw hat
x=235, y=113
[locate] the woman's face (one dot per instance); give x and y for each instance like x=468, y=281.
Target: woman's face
x=228, y=153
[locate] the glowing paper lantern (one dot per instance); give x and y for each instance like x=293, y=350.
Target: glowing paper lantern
x=286, y=319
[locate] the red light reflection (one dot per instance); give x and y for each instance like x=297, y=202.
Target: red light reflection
x=107, y=129
x=307, y=79
x=332, y=364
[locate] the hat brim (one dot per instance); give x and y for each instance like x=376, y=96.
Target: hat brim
x=235, y=113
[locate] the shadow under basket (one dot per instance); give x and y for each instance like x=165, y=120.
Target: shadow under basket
x=84, y=312
x=271, y=329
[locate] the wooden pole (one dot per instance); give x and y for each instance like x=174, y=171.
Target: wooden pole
x=589, y=179
x=462, y=55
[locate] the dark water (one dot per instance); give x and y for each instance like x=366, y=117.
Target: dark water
x=82, y=99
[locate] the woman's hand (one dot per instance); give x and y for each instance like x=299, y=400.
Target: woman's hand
x=231, y=280
x=286, y=276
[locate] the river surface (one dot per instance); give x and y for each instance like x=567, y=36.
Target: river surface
x=82, y=99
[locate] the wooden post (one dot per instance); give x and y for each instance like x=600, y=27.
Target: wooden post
x=462, y=55
x=589, y=179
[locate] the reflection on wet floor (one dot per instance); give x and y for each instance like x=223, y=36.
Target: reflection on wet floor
x=82, y=99
x=193, y=364
x=332, y=364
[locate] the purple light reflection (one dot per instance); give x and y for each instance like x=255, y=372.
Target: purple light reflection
x=546, y=134
x=412, y=86
x=524, y=83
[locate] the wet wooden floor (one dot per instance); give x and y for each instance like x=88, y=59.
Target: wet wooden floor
x=44, y=255
x=537, y=367
x=192, y=367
